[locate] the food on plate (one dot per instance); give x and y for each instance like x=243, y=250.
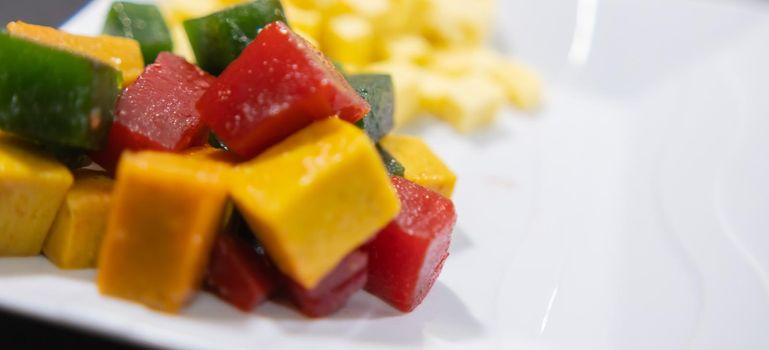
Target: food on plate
x=420, y=164
x=121, y=53
x=331, y=293
x=157, y=112
x=32, y=187
x=348, y=39
x=413, y=41
x=274, y=178
x=313, y=198
x=53, y=96
x=77, y=232
x=278, y=85
x=238, y=274
x=166, y=210
x=406, y=257
x=141, y=22
x=219, y=38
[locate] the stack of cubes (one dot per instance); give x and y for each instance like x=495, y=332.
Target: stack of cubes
x=309, y=197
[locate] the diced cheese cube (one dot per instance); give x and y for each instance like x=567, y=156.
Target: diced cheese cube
x=522, y=85
x=409, y=48
x=306, y=22
x=229, y=2
x=182, y=45
x=349, y=39
x=32, y=187
x=423, y=167
x=372, y=10
x=166, y=210
x=404, y=17
x=467, y=102
x=458, y=22
x=76, y=235
x=305, y=4
x=315, y=197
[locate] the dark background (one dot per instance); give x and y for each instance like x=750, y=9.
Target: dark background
x=18, y=331
x=45, y=12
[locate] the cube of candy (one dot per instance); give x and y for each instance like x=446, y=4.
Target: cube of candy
x=75, y=238
x=166, y=211
x=158, y=112
x=421, y=165
x=314, y=198
x=332, y=293
x=141, y=22
x=53, y=96
x=407, y=256
x=219, y=38
x=121, y=53
x=32, y=187
x=277, y=86
x=238, y=275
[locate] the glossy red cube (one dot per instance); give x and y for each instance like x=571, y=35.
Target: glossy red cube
x=332, y=293
x=406, y=257
x=238, y=275
x=278, y=85
x=157, y=111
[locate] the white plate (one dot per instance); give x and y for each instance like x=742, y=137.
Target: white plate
x=631, y=213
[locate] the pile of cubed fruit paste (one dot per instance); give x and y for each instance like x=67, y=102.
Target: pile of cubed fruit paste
x=261, y=172
x=437, y=52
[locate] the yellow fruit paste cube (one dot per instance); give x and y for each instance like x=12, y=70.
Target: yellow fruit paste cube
x=315, y=197
x=166, y=210
x=422, y=165
x=32, y=187
x=77, y=232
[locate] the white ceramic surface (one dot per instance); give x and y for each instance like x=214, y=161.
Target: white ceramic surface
x=630, y=213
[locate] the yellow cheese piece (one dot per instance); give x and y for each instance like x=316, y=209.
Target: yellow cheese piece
x=521, y=85
x=182, y=45
x=303, y=4
x=166, y=210
x=467, y=103
x=306, y=22
x=315, y=197
x=32, y=187
x=121, y=53
x=458, y=22
x=76, y=235
x=405, y=17
x=410, y=48
x=422, y=165
x=349, y=39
